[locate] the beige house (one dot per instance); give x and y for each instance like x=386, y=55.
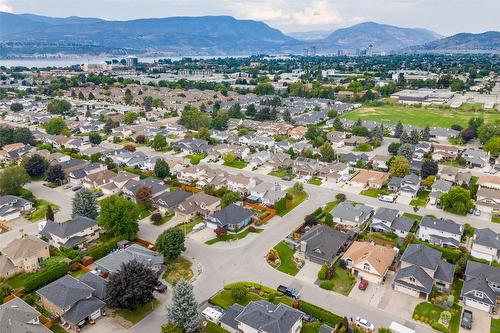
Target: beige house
x=23, y=255
x=486, y=245
x=76, y=232
x=197, y=204
x=488, y=200
x=370, y=179
x=489, y=181
x=369, y=261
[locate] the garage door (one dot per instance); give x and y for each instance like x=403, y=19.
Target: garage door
x=477, y=305
x=212, y=225
x=405, y=290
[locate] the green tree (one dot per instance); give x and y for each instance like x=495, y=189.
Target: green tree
x=298, y=188
x=183, y=311
x=337, y=124
x=129, y=118
x=91, y=96
x=327, y=153
x=119, y=216
x=55, y=174
x=162, y=169
x=172, y=328
x=458, y=200
x=251, y=111
x=12, y=180
x=400, y=166
x=16, y=107
x=203, y=134
x=398, y=131
x=426, y=133
x=35, y=166
x=194, y=119
x=80, y=95
x=229, y=158
x=488, y=131
x=49, y=214
x=147, y=102
x=229, y=197
x=128, y=98
x=55, y=126
x=239, y=293
x=95, y=138
x=406, y=150
x=84, y=204
x=287, y=117
x=159, y=142
x=493, y=146
x=58, y=106
x=170, y=243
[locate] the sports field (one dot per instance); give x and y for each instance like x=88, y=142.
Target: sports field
x=434, y=117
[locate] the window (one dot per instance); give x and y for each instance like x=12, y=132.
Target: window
x=412, y=279
x=366, y=266
x=478, y=294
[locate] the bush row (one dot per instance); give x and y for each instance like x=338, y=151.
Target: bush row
x=51, y=273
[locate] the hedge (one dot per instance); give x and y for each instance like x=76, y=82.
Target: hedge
x=327, y=284
x=104, y=248
x=42, y=278
x=254, y=286
x=451, y=255
x=321, y=314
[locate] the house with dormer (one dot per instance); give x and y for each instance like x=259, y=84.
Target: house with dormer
x=441, y=232
x=12, y=207
x=351, y=214
x=481, y=289
x=486, y=245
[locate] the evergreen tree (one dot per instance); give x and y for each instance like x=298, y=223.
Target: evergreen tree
x=404, y=138
x=426, y=133
x=398, y=131
x=287, y=117
x=414, y=137
x=184, y=309
x=49, y=214
x=84, y=204
x=337, y=124
x=162, y=169
x=358, y=122
x=80, y=95
x=91, y=96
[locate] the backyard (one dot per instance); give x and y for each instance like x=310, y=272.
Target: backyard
x=287, y=263
x=419, y=116
x=341, y=282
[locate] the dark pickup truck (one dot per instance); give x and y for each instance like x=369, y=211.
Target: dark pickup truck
x=288, y=291
x=466, y=319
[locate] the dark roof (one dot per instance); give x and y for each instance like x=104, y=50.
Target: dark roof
x=487, y=237
x=15, y=316
x=445, y=272
x=232, y=214
x=171, y=199
x=65, y=292
x=386, y=214
x=446, y=225
x=113, y=261
x=269, y=318
x=422, y=255
x=83, y=309
x=324, y=242
x=402, y=223
x=229, y=316
x=96, y=282
x=69, y=228
x=474, y=269
x=419, y=274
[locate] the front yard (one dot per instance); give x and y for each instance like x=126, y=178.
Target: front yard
x=374, y=193
x=283, y=173
x=297, y=199
x=135, y=316
x=341, y=282
x=287, y=263
x=177, y=269
x=234, y=236
x=315, y=181
x=40, y=211
x=495, y=325
x=421, y=200
x=195, y=159
x=238, y=164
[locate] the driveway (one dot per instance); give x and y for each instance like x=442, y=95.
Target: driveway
x=309, y=272
x=481, y=321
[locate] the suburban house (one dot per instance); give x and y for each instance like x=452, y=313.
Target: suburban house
x=198, y=204
x=76, y=232
x=388, y=219
x=298, y=132
x=280, y=161
x=394, y=184
x=113, y=261
x=156, y=186
x=442, y=232
x=422, y=149
x=410, y=185
x=22, y=255
x=322, y=244
x=380, y=162
x=488, y=200
x=455, y=175
x=192, y=146
x=232, y=217
x=369, y=178
x=336, y=138
x=262, y=316
x=167, y=201
x=71, y=299
x=98, y=179
x=17, y=316
x=476, y=157
x=78, y=175
x=439, y=187
x=303, y=166
x=486, y=245
x=267, y=193
x=334, y=172
x=489, y=181
x=11, y=207
x=350, y=214
x=444, y=152
x=241, y=183
x=352, y=159
x=421, y=269
x=369, y=261
x=481, y=289
x=258, y=158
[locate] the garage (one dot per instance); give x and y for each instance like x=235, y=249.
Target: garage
x=212, y=225
x=406, y=290
x=477, y=305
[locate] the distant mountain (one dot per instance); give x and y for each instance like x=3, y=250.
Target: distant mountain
x=61, y=20
x=309, y=35
x=211, y=35
x=382, y=37
x=485, y=42
x=11, y=24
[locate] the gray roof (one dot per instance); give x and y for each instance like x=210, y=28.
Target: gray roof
x=83, y=309
x=65, y=292
x=96, y=282
x=324, y=242
x=487, y=237
x=232, y=214
x=477, y=278
x=441, y=185
x=154, y=184
x=69, y=228
x=269, y=318
x=422, y=255
x=402, y=223
x=348, y=211
x=171, y=199
x=325, y=329
x=411, y=179
x=395, y=182
x=446, y=225
x=386, y=214
x=419, y=274
x=113, y=261
x=16, y=315
x=474, y=269
x=445, y=272
x=229, y=316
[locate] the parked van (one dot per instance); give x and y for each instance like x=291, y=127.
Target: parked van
x=387, y=198
x=212, y=315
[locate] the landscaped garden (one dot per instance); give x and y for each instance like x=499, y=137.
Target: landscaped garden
x=296, y=199
x=40, y=211
x=375, y=193
x=281, y=258
x=238, y=164
x=234, y=236
x=336, y=279
x=495, y=325
x=283, y=173
x=422, y=199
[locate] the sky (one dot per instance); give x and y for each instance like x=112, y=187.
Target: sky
x=446, y=17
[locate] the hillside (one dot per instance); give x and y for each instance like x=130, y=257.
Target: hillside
x=462, y=43
x=382, y=37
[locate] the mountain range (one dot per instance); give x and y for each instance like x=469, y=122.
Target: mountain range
x=28, y=34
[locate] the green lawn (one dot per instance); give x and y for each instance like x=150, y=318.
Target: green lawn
x=238, y=164
x=415, y=217
x=40, y=211
x=315, y=181
x=214, y=328
x=330, y=205
x=495, y=325
x=421, y=200
x=17, y=282
x=374, y=193
x=196, y=158
x=58, y=329
x=144, y=211
x=430, y=311
x=179, y=268
x=341, y=282
x=310, y=327
x=135, y=316
x=495, y=219
x=287, y=264
x=225, y=300
x=297, y=200
x=188, y=226
x=282, y=173
x=419, y=116
x=232, y=236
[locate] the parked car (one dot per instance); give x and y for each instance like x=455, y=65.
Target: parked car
x=288, y=291
x=161, y=287
x=67, y=186
x=363, y=284
x=386, y=198
x=365, y=324
x=76, y=188
x=466, y=320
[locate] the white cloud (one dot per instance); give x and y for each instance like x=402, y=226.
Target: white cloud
x=319, y=12
x=5, y=6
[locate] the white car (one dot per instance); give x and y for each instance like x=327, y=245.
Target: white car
x=365, y=324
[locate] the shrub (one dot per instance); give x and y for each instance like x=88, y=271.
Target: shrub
x=327, y=284
x=239, y=293
x=271, y=298
x=156, y=218
x=340, y=197
x=252, y=229
x=103, y=249
x=220, y=232
x=46, y=276
x=321, y=314
x=322, y=272
x=30, y=299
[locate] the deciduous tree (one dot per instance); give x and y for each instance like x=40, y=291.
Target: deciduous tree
x=119, y=216
x=170, y=243
x=12, y=180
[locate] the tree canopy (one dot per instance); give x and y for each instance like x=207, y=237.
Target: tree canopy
x=170, y=243
x=119, y=216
